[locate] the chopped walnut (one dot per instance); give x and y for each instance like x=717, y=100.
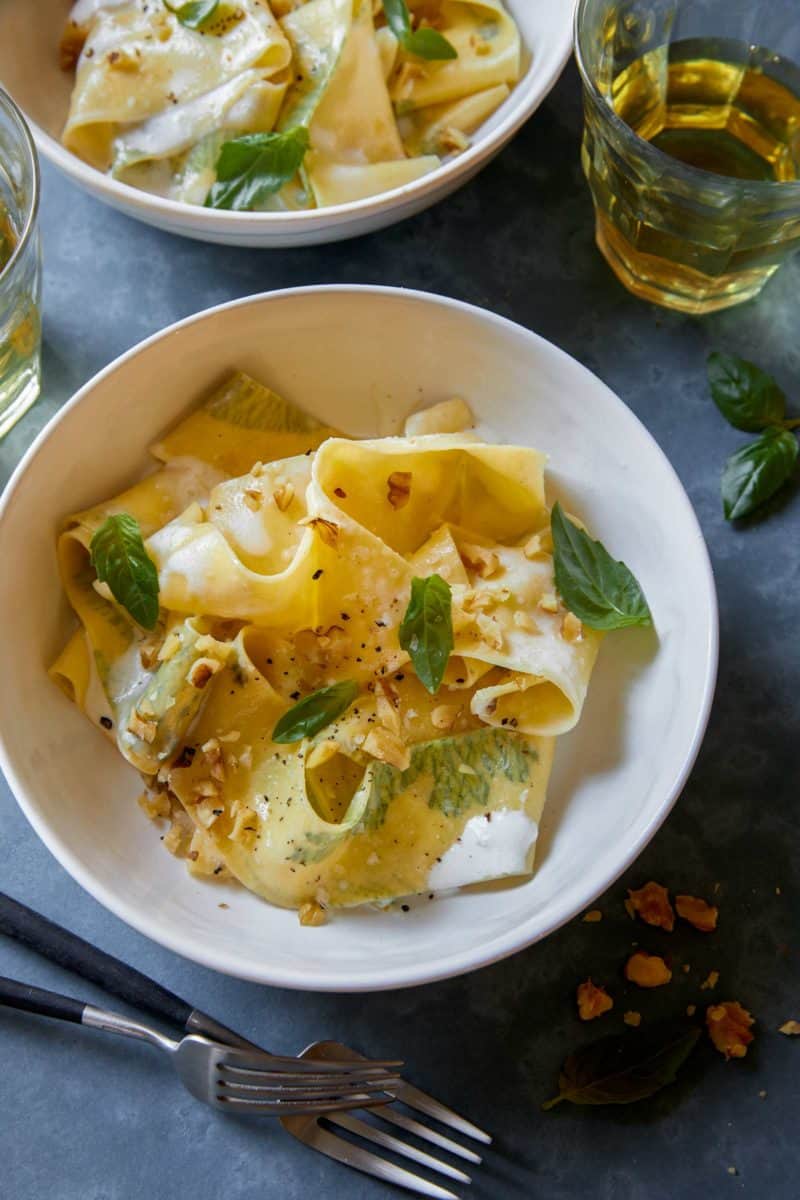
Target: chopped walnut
x=697, y=912
x=632, y=1018
x=592, y=916
x=691, y=1009
x=386, y=706
x=144, y=728
x=571, y=628
x=478, y=558
x=729, y=1028
x=245, y=826
x=382, y=744
x=156, y=804
x=312, y=913
x=321, y=753
x=178, y=836
x=593, y=1001
x=399, y=488
x=201, y=671
x=548, y=602
x=525, y=622
x=444, y=716
x=283, y=496
x=790, y=1028
x=253, y=497
x=215, y=759
x=647, y=970
x=481, y=601
x=711, y=981
x=490, y=631
x=205, y=789
x=651, y=903
x=326, y=531
x=257, y=470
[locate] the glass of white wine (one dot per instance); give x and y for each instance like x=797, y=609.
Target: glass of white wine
x=692, y=143
x=20, y=267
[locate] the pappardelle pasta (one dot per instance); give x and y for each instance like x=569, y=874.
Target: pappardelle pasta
x=340, y=666
x=282, y=105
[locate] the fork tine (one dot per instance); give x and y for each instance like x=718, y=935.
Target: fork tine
x=388, y=1113
x=289, y=1108
x=245, y=1060
x=414, y=1098
x=235, y=1074
x=364, y=1160
x=324, y=1089
x=371, y=1134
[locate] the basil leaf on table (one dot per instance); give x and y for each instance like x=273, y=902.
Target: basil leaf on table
x=747, y=397
x=426, y=631
x=251, y=168
x=315, y=711
x=120, y=559
x=194, y=13
x=601, y=592
x=626, y=1067
x=756, y=472
x=423, y=42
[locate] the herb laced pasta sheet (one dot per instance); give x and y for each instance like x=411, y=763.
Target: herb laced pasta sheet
x=155, y=99
x=285, y=557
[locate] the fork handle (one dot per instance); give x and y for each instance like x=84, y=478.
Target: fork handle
x=36, y=1000
x=70, y=951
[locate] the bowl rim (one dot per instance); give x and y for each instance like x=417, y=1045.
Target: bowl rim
x=511, y=941
x=114, y=191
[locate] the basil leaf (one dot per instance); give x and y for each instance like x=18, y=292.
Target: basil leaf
x=424, y=42
x=603, y=593
x=627, y=1067
x=120, y=559
x=744, y=394
x=315, y=711
x=426, y=631
x=756, y=472
x=194, y=13
x=253, y=167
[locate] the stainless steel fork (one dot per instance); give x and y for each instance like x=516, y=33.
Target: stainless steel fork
x=233, y=1080
x=320, y=1132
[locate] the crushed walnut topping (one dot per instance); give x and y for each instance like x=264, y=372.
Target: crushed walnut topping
x=592, y=916
x=525, y=622
x=157, y=805
x=283, y=496
x=142, y=727
x=490, y=631
x=384, y=745
x=326, y=531
x=480, y=559
x=790, y=1028
x=697, y=912
x=652, y=904
x=592, y=1001
x=253, y=497
x=729, y=1028
x=201, y=671
x=398, y=488
x=571, y=628
x=632, y=1018
x=548, y=602
x=647, y=970
x=169, y=647
x=312, y=913
x=215, y=759
x=710, y=981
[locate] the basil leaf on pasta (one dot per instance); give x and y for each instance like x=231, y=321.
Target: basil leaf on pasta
x=120, y=559
x=194, y=13
x=601, y=592
x=747, y=397
x=315, y=711
x=424, y=42
x=251, y=168
x=756, y=472
x=426, y=631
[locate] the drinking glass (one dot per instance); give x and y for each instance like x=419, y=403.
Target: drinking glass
x=692, y=143
x=20, y=267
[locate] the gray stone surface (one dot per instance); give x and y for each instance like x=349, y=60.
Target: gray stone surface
x=85, y=1118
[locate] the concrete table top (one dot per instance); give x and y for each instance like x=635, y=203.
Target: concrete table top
x=89, y=1118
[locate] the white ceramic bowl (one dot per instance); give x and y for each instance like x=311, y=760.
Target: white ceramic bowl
x=29, y=70
x=361, y=359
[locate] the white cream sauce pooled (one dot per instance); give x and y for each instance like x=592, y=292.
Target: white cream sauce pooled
x=487, y=849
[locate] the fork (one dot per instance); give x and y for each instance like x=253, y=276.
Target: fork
x=79, y=956
x=222, y=1076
